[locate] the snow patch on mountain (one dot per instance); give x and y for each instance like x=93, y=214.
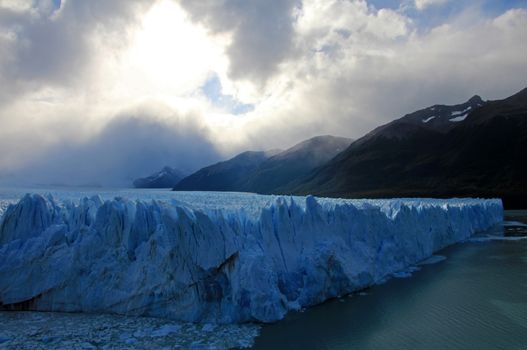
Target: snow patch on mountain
x=456, y=113
x=459, y=119
x=428, y=119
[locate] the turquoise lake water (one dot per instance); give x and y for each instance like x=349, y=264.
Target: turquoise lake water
x=475, y=299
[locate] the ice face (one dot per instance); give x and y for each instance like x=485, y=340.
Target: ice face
x=195, y=261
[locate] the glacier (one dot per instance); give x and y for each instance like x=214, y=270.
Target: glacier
x=226, y=258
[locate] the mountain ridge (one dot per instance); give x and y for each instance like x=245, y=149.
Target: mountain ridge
x=225, y=175
x=165, y=178
x=479, y=156
x=265, y=172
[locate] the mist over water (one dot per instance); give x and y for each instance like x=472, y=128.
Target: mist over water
x=475, y=299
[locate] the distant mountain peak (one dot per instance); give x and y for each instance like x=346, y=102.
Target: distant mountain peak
x=265, y=172
x=166, y=178
x=436, y=118
x=476, y=99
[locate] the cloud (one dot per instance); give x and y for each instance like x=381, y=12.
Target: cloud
x=132, y=145
x=102, y=91
x=423, y=4
x=42, y=45
x=73, y=80
x=366, y=67
x=261, y=31
x=16, y=5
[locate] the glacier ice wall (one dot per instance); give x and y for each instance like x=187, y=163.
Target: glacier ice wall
x=170, y=259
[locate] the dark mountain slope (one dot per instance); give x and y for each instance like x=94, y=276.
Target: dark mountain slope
x=440, y=118
x=481, y=155
x=280, y=170
x=166, y=178
x=263, y=172
x=224, y=176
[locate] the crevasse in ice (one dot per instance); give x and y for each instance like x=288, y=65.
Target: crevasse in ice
x=181, y=261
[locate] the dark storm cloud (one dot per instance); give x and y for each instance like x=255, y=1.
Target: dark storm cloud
x=262, y=32
x=130, y=146
x=40, y=46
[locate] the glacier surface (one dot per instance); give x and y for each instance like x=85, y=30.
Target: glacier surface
x=212, y=257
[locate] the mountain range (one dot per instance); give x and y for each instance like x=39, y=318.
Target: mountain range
x=476, y=149
x=265, y=172
x=472, y=149
x=166, y=178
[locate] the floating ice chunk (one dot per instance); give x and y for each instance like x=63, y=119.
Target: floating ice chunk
x=112, y=332
x=514, y=224
x=402, y=274
x=208, y=327
x=434, y=259
x=406, y=273
x=130, y=341
x=165, y=330
x=497, y=238
x=4, y=338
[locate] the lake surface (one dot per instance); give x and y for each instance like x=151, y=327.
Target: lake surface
x=475, y=299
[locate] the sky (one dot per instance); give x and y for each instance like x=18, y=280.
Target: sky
x=100, y=92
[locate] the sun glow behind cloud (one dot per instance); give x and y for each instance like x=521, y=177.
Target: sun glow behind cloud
x=169, y=58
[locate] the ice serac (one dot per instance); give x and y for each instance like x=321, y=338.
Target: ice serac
x=170, y=259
